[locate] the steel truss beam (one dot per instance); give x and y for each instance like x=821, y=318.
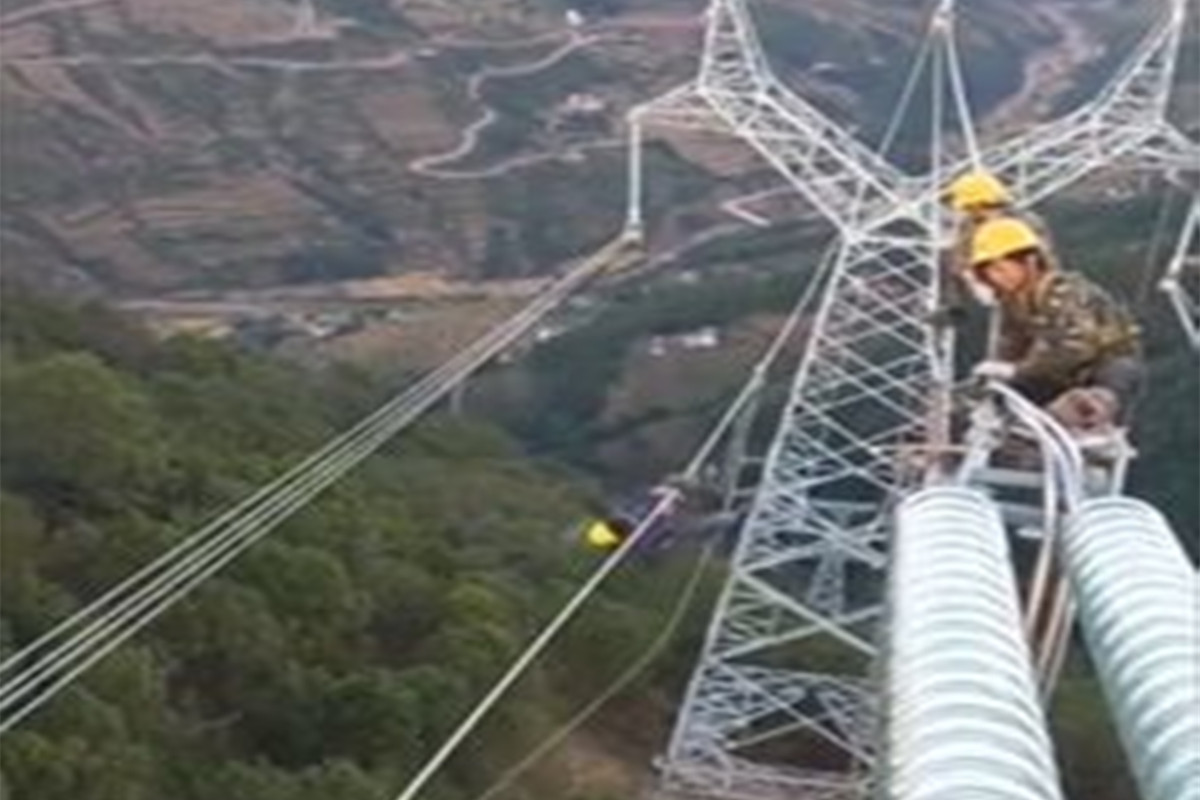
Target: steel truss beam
x=844, y=179
x=1127, y=120
x=812, y=554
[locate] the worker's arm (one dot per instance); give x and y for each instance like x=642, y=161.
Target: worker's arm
x=1013, y=342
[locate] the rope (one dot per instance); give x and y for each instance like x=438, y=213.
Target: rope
x=1153, y=253
x=618, y=685
x=664, y=504
x=60, y=655
x=906, y=95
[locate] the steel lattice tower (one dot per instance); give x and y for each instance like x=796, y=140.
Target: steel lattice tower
x=871, y=386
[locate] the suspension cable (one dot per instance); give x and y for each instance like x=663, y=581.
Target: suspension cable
x=958, y=88
x=656, y=512
x=636, y=668
x=906, y=95
x=57, y=657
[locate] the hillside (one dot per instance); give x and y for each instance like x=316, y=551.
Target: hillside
x=153, y=148
x=335, y=656
x=347, y=191
x=605, y=396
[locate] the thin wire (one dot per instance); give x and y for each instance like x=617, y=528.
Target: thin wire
x=200, y=555
x=906, y=95
x=622, y=681
x=659, y=509
x=1153, y=253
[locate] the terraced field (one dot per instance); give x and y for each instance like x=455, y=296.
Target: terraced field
x=153, y=147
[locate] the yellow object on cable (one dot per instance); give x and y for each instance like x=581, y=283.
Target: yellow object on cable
x=977, y=189
x=998, y=238
x=601, y=536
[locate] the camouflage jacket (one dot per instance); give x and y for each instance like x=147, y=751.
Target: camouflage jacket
x=1065, y=328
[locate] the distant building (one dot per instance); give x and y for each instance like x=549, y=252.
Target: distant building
x=546, y=333
x=583, y=103
x=701, y=339
x=574, y=18
x=706, y=338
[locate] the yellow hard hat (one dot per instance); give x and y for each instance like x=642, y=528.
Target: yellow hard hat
x=998, y=238
x=601, y=536
x=977, y=189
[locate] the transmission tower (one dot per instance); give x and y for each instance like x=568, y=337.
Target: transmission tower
x=871, y=390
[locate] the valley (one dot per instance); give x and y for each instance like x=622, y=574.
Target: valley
x=151, y=150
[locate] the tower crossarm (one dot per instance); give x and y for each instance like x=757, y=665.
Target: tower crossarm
x=1036, y=167
x=682, y=108
x=1168, y=150
x=1127, y=119
x=843, y=178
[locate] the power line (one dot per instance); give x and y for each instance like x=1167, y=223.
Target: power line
x=656, y=512
x=59, y=656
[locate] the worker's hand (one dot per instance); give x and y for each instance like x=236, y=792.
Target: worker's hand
x=995, y=370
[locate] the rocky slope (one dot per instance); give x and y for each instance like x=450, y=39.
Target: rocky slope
x=158, y=146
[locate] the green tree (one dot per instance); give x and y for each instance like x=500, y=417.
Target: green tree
x=77, y=433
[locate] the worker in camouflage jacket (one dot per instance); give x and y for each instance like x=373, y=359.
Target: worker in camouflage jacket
x=978, y=197
x=1058, y=331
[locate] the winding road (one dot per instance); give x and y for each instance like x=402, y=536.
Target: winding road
x=1049, y=71
x=33, y=12
x=429, y=165
x=391, y=61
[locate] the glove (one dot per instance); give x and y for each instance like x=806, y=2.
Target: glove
x=995, y=370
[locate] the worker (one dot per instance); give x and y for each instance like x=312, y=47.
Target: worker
x=609, y=532
x=606, y=534
x=1058, y=330
x=691, y=511
x=978, y=197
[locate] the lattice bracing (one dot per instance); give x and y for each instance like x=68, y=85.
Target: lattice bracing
x=869, y=392
x=1127, y=120
x=811, y=558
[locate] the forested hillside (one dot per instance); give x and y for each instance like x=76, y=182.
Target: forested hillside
x=335, y=656
x=331, y=659
x=157, y=147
